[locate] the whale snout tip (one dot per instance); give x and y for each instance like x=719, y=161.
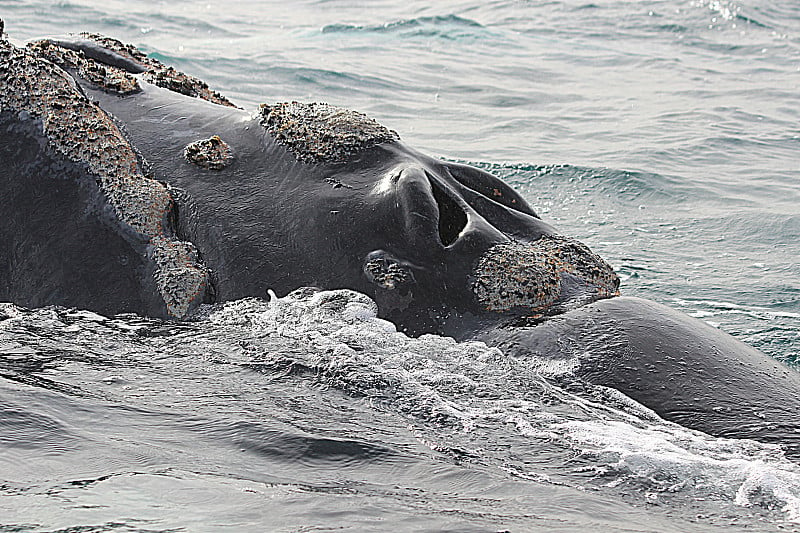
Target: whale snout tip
x=548, y=276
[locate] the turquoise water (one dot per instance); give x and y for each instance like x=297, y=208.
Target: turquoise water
x=664, y=134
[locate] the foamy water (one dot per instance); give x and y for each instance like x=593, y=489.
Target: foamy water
x=661, y=133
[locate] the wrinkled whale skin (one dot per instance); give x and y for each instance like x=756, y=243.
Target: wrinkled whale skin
x=257, y=244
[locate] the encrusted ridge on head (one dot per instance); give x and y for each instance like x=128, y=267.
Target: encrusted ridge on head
x=80, y=131
x=107, y=77
x=116, y=79
x=531, y=276
x=322, y=133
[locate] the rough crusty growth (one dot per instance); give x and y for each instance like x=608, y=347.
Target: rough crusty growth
x=81, y=132
x=530, y=276
x=159, y=74
x=107, y=77
x=116, y=79
x=322, y=133
x=212, y=153
x=387, y=274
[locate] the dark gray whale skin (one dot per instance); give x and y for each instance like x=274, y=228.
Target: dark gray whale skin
x=44, y=232
x=280, y=224
x=388, y=221
x=682, y=368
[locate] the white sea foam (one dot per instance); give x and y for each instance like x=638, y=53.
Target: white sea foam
x=476, y=388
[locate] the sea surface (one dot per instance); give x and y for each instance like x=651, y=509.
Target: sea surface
x=664, y=134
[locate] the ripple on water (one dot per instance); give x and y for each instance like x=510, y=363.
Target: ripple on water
x=21, y=427
x=675, y=122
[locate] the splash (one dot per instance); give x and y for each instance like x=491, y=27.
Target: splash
x=468, y=402
x=471, y=393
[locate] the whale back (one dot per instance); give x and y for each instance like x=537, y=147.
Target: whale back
x=682, y=368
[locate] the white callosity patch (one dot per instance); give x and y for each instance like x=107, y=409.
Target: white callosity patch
x=108, y=77
x=212, y=153
x=322, y=133
x=159, y=74
x=79, y=130
x=472, y=388
x=537, y=275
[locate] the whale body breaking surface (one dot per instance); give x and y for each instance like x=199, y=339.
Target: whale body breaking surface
x=136, y=188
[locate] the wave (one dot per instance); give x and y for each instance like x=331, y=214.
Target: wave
x=176, y=386
x=625, y=185
x=473, y=389
x=448, y=27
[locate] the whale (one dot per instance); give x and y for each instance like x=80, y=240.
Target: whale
x=131, y=187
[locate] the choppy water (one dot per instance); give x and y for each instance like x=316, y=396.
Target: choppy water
x=664, y=134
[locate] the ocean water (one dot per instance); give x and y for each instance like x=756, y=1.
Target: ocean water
x=663, y=134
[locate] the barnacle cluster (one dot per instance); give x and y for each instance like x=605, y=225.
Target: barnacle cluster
x=212, y=153
x=107, y=77
x=119, y=80
x=387, y=274
x=532, y=276
x=322, y=133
